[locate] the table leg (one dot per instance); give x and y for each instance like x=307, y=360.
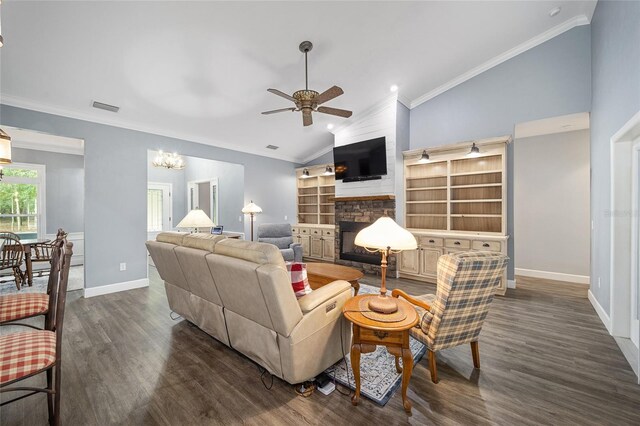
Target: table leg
x=355, y=366
x=398, y=368
x=407, y=364
x=27, y=261
x=356, y=287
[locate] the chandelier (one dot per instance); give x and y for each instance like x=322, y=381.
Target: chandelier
x=169, y=160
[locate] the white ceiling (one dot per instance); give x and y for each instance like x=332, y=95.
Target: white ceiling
x=199, y=71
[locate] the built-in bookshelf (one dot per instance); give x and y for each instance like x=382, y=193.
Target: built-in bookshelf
x=455, y=192
x=316, y=193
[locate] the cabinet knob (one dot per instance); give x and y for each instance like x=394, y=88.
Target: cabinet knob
x=457, y=243
x=485, y=245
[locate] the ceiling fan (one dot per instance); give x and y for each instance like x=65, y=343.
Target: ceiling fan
x=309, y=101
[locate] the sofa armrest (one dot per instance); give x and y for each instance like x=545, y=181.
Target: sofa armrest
x=297, y=251
x=319, y=296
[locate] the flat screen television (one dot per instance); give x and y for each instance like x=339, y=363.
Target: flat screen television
x=361, y=161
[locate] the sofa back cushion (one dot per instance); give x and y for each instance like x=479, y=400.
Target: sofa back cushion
x=280, y=242
x=165, y=260
x=202, y=241
x=253, y=282
x=171, y=237
x=274, y=230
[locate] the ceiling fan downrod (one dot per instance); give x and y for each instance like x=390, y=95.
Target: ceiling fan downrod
x=305, y=47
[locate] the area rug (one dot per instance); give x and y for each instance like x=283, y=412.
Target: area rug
x=76, y=282
x=379, y=379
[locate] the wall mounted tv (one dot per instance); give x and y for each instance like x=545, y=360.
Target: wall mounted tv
x=359, y=161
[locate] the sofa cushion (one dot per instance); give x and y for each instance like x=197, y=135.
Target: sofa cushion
x=202, y=241
x=299, y=280
x=260, y=253
x=280, y=242
x=274, y=230
x=171, y=237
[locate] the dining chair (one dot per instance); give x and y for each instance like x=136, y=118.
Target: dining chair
x=454, y=316
x=19, y=306
x=11, y=255
x=29, y=353
x=41, y=252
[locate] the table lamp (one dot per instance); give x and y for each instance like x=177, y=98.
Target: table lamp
x=252, y=210
x=196, y=218
x=387, y=237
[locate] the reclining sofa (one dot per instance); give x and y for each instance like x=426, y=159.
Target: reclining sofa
x=240, y=293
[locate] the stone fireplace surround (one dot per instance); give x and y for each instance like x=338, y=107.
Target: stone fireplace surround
x=363, y=209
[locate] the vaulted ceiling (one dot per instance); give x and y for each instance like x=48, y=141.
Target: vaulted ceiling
x=199, y=70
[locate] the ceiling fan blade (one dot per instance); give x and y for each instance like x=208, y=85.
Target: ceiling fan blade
x=335, y=111
x=273, y=111
x=328, y=94
x=306, y=118
x=284, y=95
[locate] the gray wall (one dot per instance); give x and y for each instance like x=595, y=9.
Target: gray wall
x=551, y=79
x=551, y=217
x=230, y=189
x=615, y=43
x=116, y=185
x=178, y=186
x=323, y=159
x=64, y=187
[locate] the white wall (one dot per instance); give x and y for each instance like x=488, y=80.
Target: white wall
x=551, y=206
x=378, y=122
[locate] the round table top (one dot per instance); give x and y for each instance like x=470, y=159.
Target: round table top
x=34, y=240
x=352, y=311
x=333, y=271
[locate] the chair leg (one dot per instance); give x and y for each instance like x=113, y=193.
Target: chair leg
x=475, y=352
x=56, y=408
x=49, y=395
x=432, y=366
x=17, y=275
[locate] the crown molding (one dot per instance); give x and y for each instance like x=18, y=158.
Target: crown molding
x=576, y=21
x=19, y=102
x=317, y=154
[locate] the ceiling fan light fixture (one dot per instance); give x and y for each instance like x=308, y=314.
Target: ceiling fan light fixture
x=474, y=151
x=424, y=158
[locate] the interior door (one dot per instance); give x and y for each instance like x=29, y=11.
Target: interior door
x=159, y=214
x=635, y=249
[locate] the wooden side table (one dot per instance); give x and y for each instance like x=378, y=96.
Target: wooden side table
x=369, y=333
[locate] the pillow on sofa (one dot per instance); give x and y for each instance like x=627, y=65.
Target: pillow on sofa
x=299, y=281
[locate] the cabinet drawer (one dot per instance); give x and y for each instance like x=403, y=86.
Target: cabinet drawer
x=327, y=232
x=316, y=232
x=304, y=231
x=457, y=243
x=430, y=242
x=376, y=337
x=487, y=245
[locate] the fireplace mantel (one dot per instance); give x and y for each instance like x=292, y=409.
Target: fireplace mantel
x=366, y=198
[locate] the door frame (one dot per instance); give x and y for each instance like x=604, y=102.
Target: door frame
x=213, y=183
x=168, y=187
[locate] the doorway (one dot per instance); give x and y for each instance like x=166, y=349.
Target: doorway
x=203, y=194
x=159, y=209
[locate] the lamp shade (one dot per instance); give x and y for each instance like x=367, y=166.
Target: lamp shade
x=251, y=208
x=5, y=148
x=196, y=218
x=386, y=233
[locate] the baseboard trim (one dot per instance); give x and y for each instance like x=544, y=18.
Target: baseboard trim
x=511, y=283
x=600, y=311
x=556, y=276
x=114, y=288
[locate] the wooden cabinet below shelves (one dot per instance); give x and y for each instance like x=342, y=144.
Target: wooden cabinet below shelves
x=318, y=242
x=422, y=264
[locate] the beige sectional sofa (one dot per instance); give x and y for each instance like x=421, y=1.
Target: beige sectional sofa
x=239, y=292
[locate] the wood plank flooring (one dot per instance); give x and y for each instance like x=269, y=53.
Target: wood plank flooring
x=546, y=359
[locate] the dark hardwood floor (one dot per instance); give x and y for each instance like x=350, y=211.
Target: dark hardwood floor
x=546, y=359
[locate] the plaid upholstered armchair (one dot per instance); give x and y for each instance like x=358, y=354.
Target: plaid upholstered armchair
x=455, y=314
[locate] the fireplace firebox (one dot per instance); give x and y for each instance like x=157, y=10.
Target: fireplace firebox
x=349, y=250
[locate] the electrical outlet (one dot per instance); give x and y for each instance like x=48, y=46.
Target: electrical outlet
x=286, y=217
x=123, y=266
x=598, y=282
x=592, y=226
x=239, y=218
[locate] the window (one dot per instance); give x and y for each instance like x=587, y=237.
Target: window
x=22, y=200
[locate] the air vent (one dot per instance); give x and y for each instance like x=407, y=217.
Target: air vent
x=105, y=107
x=272, y=147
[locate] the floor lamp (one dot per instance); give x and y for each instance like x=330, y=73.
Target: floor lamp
x=251, y=209
x=385, y=236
